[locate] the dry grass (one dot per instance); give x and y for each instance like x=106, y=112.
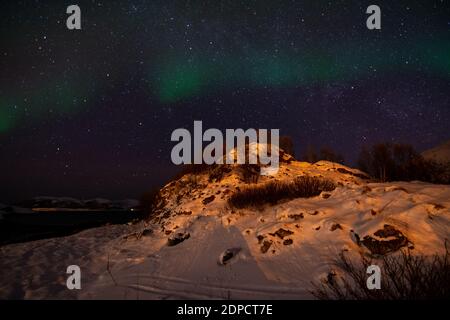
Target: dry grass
x=274, y=191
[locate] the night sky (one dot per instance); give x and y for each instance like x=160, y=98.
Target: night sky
x=89, y=113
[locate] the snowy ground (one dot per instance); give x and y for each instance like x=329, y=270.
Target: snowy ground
x=272, y=252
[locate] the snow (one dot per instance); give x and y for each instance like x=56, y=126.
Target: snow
x=305, y=236
x=57, y=199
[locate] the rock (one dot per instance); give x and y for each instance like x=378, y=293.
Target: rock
x=335, y=226
x=178, y=238
x=228, y=255
x=183, y=213
x=266, y=246
x=296, y=216
x=366, y=189
x=281, y=233
x=288, y=242
x=355, y=237
x=380, y=247
x=326, y=195
x=388, y=231
x=208, y=199
x=331, y=276
x=147, y=232
x=260, y=238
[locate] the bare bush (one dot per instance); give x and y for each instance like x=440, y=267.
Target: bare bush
x=287, y=144
x=400, y=162
x=404, y=277
x=250, y=173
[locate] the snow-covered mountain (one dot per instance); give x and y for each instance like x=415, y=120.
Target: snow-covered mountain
x=67, y=203
x=440, y=153
x=198, y=245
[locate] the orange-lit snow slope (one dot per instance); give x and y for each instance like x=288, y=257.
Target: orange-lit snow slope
x=198, y=246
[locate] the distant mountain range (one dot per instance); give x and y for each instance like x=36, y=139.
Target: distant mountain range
x=66, y=203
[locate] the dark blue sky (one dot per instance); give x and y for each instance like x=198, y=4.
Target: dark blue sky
x=89, y=113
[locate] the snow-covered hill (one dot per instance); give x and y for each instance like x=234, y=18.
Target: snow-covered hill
x=440, y=153
x=197, y=245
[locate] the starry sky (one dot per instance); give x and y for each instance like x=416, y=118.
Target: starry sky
x=89, y=113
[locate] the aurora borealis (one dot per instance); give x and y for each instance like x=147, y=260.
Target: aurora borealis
x=180, y=80
x=89, y=113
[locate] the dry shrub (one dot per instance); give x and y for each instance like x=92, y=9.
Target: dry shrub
x=403, y=277
x=272, y=192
